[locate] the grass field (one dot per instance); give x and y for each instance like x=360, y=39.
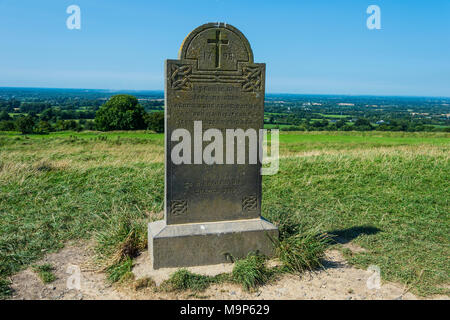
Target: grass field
x=334, y=116
x=388, y=192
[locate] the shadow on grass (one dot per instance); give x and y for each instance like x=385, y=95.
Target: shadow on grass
x=344, y=236
x=330, y=264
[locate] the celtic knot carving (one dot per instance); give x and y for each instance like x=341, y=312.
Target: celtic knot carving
x=178, y=207
x=252, y=79
x=182, y=77
x=179, y=78
x=249, y=203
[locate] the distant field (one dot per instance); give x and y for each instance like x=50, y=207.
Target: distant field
x=386, y=191
x=304, y=141
x=298, y=140
x=281, y=126
x=334, y=115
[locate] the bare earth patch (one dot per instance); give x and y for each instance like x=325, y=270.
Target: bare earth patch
x=337, y=281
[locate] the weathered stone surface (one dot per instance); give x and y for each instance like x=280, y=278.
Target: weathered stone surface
x=214, y=81
x=197, y=244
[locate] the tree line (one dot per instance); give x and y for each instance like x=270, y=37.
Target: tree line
x=126, y=112
x=120, y=112
x=361, y=124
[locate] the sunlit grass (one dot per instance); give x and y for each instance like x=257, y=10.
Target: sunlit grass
x=63, y=186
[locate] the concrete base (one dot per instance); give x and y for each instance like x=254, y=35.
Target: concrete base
x=183, y=245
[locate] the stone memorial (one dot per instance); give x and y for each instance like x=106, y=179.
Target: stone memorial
x=214, y=93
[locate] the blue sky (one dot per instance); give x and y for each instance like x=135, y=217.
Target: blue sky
x=310, y=47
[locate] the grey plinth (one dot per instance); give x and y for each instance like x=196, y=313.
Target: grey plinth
x=208, y=243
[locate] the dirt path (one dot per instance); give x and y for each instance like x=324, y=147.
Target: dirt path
x=337, y=281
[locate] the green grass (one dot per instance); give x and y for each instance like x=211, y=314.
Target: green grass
x=54, y=190
x=119, y=270
x=276, y=126
x=45, y=272
x=392, y=202
x=334, y=116
x=183, y=279
x=5, y=289
x=140, y=134
x=307, y=141
x=122, y=238
x=387, y=192
x=302, y=251
x=251, y=272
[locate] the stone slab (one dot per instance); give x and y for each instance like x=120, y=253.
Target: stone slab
x=216, y=82
x=195, y=244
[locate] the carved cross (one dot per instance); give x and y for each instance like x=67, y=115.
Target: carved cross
x=218, y=42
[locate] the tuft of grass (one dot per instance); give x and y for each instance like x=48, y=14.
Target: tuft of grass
x=45, y=272
x=122, y=239
x=301, y=251
x=297, y=249
x=251, y=272
x=5, y=289
x=288, y=224
x=120, y=271
x=44, y=165
x=347, y=253
x=183, y=279
x=143, y=283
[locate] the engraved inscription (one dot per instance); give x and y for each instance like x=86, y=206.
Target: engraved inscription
x=225, y=185
x=218, y=115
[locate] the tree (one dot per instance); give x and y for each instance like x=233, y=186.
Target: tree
x=120, y=112
x=7, y=125
x=43, y=127
x=47, y=114
x=363, y=124
x=340, y=123
x=155, y=121
x=90, y=125
x=5, y=116
x=70, y=125
x=59, y=125
x=25, y=124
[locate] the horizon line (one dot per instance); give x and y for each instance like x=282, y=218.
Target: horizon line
x=281, y=93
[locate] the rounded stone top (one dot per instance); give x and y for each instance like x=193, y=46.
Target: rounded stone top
x=216, y=46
